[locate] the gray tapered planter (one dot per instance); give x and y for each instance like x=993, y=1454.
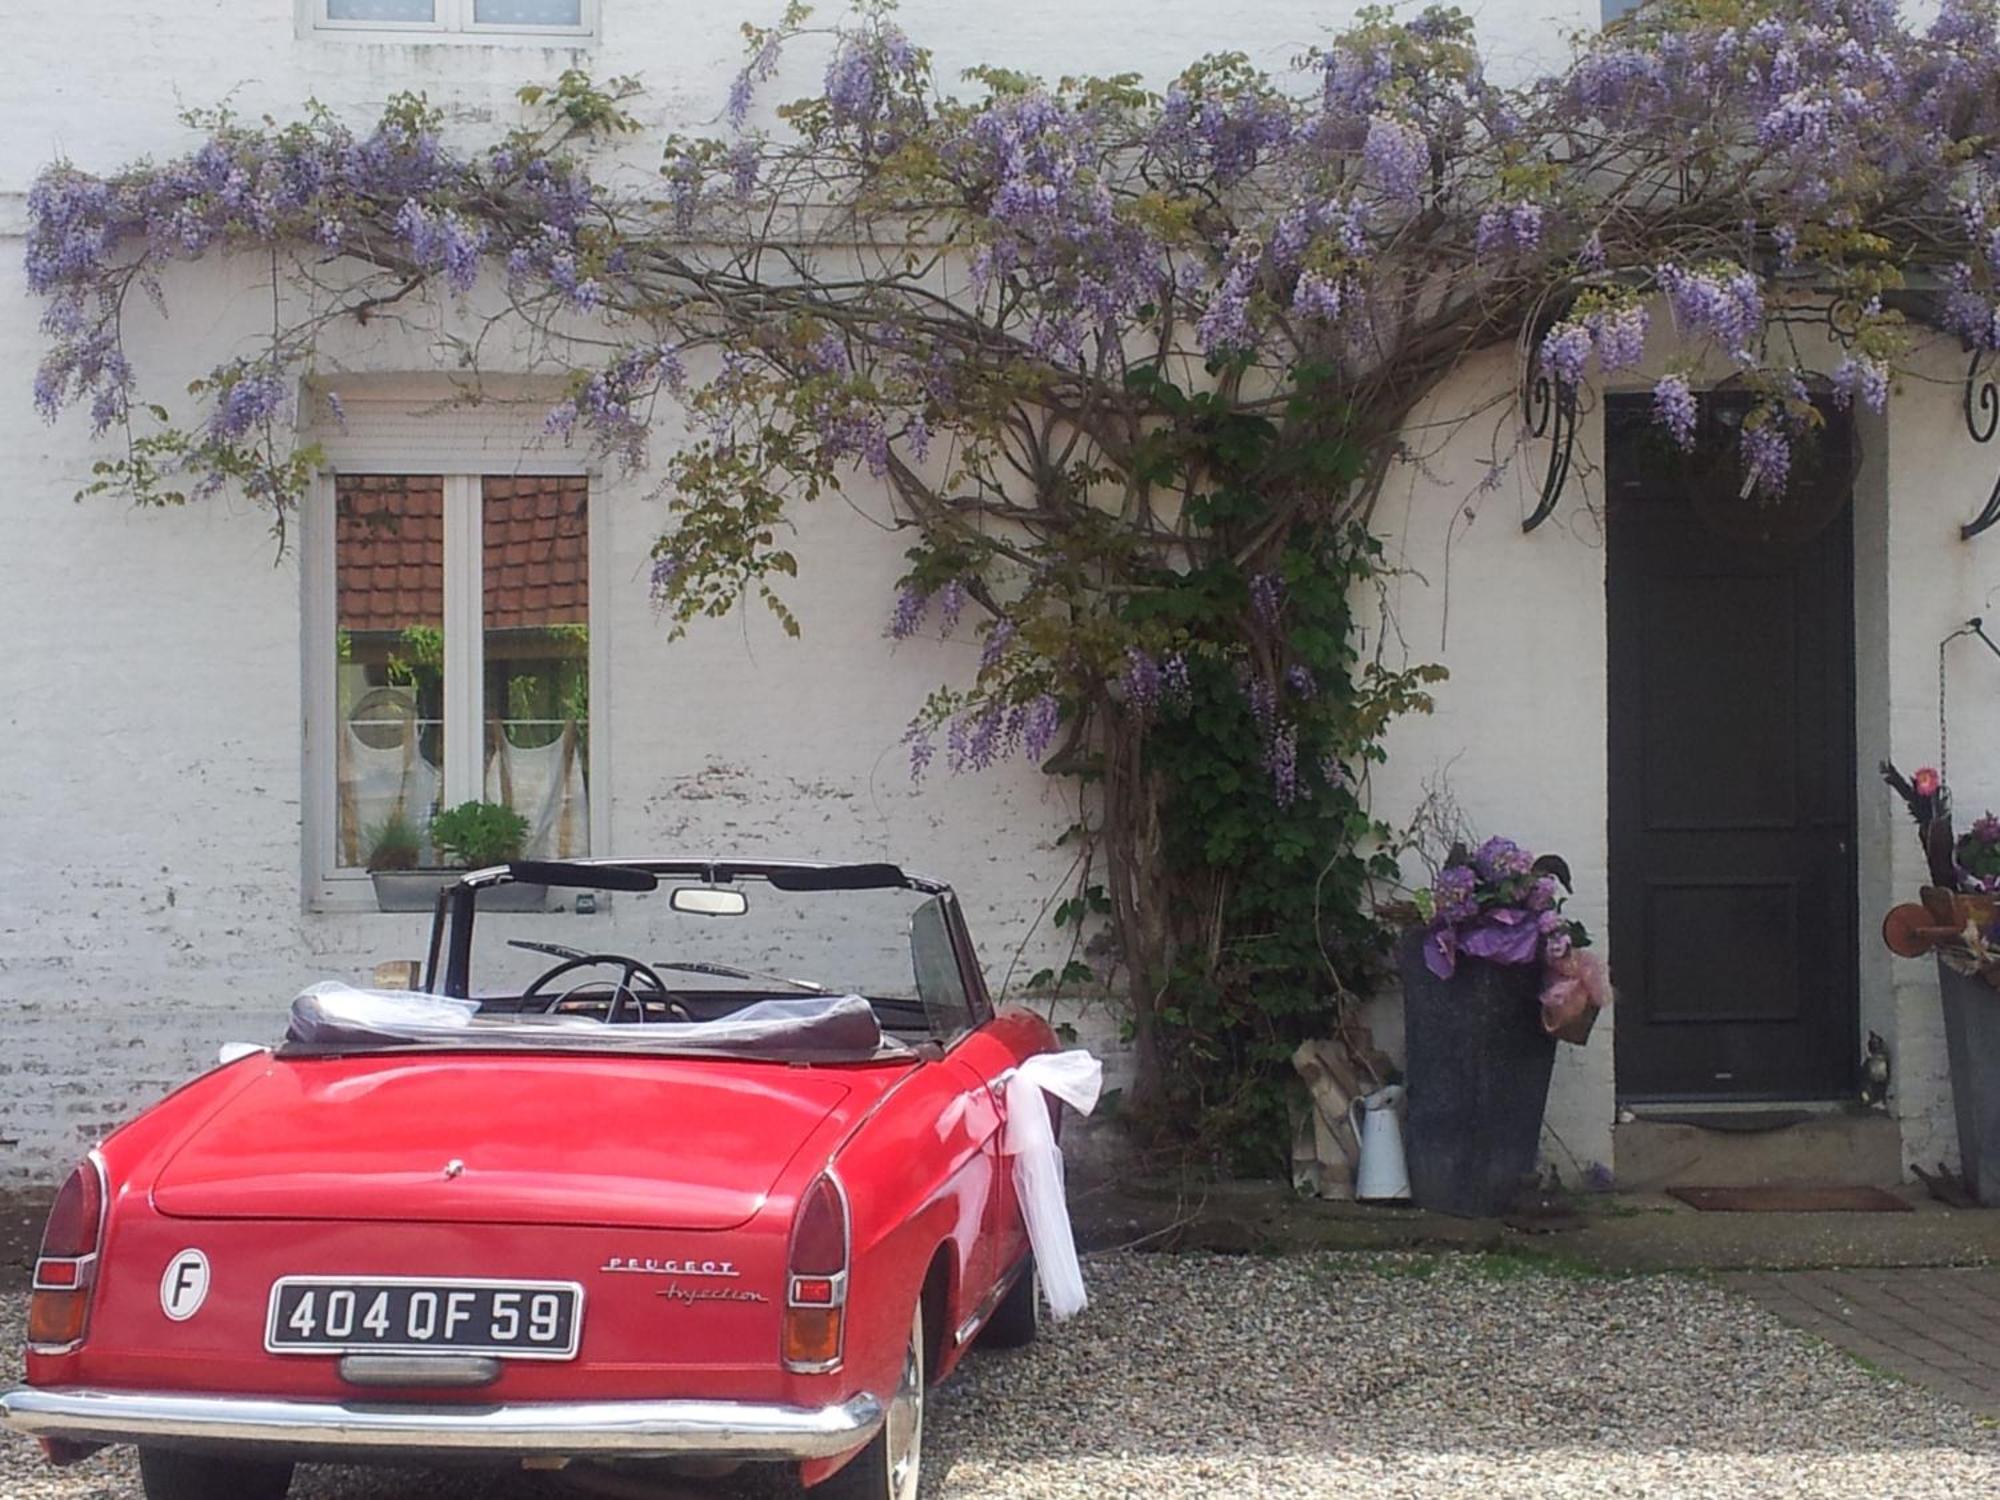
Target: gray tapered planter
x=1972, y=1043
x=1478, y=1065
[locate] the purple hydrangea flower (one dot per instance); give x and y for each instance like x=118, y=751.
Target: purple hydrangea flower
x=1453, y=893
x=1501, y=858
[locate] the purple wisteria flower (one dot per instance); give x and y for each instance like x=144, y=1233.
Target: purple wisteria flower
x=1281, y=759
x=998, y=639
x=1267, y=596
x=1767, y=455
x=1864, y=377
x=1141, y=680
x=1675, y=407
x=911, y=605
x=1041, y=719
x=1721, y=302
x=251, y=397
x=951, y=604
x=1398, y=158
x=923, y=746
x=666, y=572
x=1565, y=352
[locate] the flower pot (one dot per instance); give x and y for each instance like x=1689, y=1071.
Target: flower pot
x=1478, y=1065
x=417, y=890
x=1972, y=1044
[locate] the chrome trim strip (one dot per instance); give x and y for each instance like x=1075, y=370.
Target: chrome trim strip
x=965, y=1331
x=661, y=1429
x=823, y=1366
x=95, y=1156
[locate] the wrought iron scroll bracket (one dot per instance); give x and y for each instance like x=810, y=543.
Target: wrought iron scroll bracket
x=1548, y=406
x=1982, y=421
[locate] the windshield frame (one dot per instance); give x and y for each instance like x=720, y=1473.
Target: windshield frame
x=448, y=965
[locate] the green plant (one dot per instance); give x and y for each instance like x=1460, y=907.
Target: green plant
x=395, y=845
x=478, y=834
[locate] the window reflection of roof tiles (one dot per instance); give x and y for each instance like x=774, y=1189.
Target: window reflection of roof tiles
x=389, y=541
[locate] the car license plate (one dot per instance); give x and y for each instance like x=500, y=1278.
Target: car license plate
x=415, y=1315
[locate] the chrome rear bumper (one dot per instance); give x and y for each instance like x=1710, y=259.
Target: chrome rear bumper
x=581, y=1429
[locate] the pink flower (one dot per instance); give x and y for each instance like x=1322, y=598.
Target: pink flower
x=1926, y=781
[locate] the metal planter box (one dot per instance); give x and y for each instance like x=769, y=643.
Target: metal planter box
x=417, y=890
x=1478, y=1065
x=1972, y=1042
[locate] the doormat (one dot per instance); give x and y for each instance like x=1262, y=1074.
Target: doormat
x=1791, y=1200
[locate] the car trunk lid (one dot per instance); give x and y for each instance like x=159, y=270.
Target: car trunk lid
x=631, y=1142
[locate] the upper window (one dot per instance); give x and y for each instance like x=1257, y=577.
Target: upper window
x=565, y=18
x=460, y=660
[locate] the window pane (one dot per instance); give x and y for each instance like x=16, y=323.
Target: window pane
x=528, y=12
x=389, y=667
x=535, y=565
x=393, y=11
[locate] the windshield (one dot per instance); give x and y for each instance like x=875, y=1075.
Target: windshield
x=700, y=949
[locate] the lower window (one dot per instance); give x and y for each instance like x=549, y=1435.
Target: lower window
x=460, y=661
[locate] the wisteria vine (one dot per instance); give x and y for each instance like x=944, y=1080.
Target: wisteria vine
x=1133, y=362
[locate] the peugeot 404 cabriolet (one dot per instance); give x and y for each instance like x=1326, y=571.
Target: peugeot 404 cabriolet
x=554, y=1207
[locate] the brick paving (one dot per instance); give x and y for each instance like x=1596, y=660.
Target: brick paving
x=1939, y=1328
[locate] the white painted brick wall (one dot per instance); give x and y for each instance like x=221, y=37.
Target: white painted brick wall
x=150, y=696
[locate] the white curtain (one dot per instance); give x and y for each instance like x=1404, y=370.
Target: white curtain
x=545, y=785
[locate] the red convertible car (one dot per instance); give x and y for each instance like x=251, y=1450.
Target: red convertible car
x=620, y=1214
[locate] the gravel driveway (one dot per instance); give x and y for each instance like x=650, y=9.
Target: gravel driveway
x=1375, y=1377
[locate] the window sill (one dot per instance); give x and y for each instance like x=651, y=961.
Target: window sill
x=423, y=36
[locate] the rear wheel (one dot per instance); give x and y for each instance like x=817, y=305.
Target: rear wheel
x=891, y=1465
x=1018, y=1318
x=202, y=1476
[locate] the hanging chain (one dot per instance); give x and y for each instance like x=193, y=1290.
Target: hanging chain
x=1943, y=762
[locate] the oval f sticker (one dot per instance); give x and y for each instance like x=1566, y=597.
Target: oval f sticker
x=185, y=1286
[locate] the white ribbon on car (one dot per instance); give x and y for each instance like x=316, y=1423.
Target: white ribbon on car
x=1075, y=1078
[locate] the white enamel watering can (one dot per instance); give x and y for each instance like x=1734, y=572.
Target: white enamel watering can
x=1383, y=1176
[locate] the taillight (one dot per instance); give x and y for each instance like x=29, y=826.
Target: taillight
x=816, y=1278
x=66, y=1269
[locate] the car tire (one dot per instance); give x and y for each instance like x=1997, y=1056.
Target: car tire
x=167, y=1475
x=1018, y=1318
x=891, y=1466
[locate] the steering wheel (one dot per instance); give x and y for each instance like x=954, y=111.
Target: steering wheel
x=626, y=988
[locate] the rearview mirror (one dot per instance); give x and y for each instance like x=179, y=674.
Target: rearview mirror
x=708, y=901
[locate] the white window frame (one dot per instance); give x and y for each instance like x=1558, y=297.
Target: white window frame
x=327, y=887
x=453, y=21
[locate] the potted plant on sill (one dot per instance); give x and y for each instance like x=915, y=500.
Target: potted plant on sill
x=1494, y=975
x=1958, y=920
x=470, y=836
